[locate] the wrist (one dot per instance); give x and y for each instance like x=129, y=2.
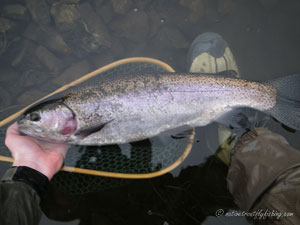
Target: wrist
x=27, y=175
x=43, y=169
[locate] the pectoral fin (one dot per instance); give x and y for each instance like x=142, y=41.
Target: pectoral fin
x=176, y=133
x=83, y=133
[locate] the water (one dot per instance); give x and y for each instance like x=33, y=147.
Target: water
x=263, y=36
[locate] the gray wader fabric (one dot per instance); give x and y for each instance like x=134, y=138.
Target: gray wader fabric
x=264, y=178
x=19, y=202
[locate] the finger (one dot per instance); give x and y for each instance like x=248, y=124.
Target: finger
x=13, y=129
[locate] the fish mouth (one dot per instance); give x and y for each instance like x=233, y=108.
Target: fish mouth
x=26, y=128
x=22, y=128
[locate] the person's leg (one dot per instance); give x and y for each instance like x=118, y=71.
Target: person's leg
x=210, y=53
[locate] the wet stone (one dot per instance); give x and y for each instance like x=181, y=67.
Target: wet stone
x=3, y=43
x=225, y=6
x=212, y=14
x=79, y=41
x=72, y=73
x=5, y=98
x=15, y=11
x=65, y=15
x=14, y=87
x=121, y=6
x=106, y=12
x=171, y=13
x=170, y=37
x=30, y=31
x=137, y=50
x=8, y=73
x=47, y=36
x=6, y=25
x=117, y=48
x=155, y=23
x=81, y=28
x=48, y=86
x=97, y=4
x=50, y=2
x=31, y=96
x=33, y=77
x=99, y=60
x=48, y=59
x=197, y=8
x=51, y=39
x=141, y=4
x=94, y=25
x=22, y=55
x=269, y=4
x=134, y=26
x=39, y=11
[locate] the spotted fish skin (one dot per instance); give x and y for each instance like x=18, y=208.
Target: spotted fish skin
x=134, y=107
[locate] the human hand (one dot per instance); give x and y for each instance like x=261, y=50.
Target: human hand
x=45, y=157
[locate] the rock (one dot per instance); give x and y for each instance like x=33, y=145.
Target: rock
x=48, y=59
x=31, y=96
x=31, y=32
x=53, y=40
x=94, y=25
x=155, y=23
x=8, y=73
x=137, y=50
x=72, y=73
x=5, y=99
x=121, y=6
x=14, y=87
x=171, y=38
x=3, y=43
x=141, y=4
x=47, y=36
x=22, y=55
x=133, y=26
x=212, y=15
x=33, y=78
x=197, y=8
x=79, y=41
x=117, y=48
x=65, y=15
x=39, y=11
x=50, y=2
x=15, y=11
x=99, y=60
x=269, y=4
x=97, y=4
x=106, y=12
x=48, y=87
x=81, y=28
x=225, y=6
x=7, y=30
x=6, y=25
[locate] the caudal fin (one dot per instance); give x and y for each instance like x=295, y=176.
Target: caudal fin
x=287, y=108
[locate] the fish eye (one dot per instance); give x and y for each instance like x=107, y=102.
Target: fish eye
x=34, y=117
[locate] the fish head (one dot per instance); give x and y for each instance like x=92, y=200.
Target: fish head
x=51, y=121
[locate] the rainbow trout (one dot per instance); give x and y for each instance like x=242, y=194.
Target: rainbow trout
x=121, y=109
